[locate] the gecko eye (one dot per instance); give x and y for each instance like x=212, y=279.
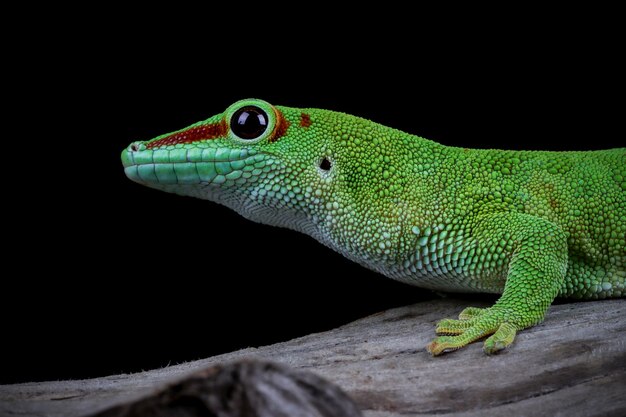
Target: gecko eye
x=249, y=122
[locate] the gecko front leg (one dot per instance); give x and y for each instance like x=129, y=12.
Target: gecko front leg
x=536, y=271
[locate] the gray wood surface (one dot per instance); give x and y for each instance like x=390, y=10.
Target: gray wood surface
x=573, y=364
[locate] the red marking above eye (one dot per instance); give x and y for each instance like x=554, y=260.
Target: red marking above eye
x=193, y=134
x=282, y=125
x=305, y=120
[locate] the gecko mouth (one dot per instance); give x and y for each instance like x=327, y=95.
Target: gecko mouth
x=197, y=165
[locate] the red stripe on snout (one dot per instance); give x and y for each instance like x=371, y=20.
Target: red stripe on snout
x=193, y=134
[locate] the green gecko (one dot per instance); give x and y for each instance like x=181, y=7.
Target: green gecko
x=529, y=225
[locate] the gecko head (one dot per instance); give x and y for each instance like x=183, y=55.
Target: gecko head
x=254, y=158
x=312, y=170
x=338, y=178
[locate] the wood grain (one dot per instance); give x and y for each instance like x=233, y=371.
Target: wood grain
x=573, y=364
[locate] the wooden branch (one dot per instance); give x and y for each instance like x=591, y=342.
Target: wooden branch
x=573, y=364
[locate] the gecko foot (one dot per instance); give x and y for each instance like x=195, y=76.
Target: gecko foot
x=474, y=324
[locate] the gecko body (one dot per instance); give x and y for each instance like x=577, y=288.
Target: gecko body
x=530, y=225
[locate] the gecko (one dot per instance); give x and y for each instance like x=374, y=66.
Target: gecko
x=528, y=225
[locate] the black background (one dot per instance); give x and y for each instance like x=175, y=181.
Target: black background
x=104, y=276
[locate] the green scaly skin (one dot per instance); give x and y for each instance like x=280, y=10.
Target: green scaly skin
x=528, y=225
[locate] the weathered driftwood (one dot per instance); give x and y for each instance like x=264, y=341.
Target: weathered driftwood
x=246, y=388
x=573, y=364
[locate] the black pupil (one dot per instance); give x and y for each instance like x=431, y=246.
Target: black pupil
x=249, y=122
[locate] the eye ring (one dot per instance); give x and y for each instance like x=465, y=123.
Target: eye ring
x=250, y=121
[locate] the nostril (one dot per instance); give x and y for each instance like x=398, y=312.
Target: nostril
x=134, y=147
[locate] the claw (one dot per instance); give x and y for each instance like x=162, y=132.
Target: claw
x=442, y=345
x=502, y=338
